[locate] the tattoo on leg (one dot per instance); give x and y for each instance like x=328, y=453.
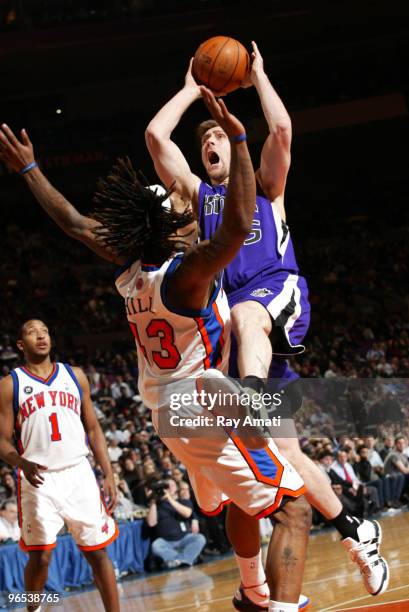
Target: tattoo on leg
x=289, y=559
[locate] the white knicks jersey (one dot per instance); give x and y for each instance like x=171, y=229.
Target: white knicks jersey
x=48, y=426
x=172, y=343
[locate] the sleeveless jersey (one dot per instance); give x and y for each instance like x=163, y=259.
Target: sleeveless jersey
x=267, y=249
x=48, y=426
x=172, y=343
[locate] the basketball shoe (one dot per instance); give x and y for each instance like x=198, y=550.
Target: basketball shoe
x=365, y=553
x=242, y=602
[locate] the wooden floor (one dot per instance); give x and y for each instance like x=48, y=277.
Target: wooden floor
x=331, y=581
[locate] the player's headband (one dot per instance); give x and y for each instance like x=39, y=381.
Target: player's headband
x=159, y=190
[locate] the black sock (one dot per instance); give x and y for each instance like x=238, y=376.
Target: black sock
x=254, y=382
x=346, y=524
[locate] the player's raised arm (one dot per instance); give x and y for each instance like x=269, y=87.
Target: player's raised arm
x=19, y=157
x=275, y=156
x=170, y=164
x=204, y=260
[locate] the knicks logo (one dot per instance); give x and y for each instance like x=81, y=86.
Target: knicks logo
x=28, y=389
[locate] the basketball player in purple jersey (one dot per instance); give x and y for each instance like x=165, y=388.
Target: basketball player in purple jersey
x=269, y=300
x=135, y=226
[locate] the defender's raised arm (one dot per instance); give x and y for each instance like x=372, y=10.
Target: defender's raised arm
x=19, y=157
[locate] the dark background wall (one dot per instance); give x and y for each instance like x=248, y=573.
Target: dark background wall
x=341, y=68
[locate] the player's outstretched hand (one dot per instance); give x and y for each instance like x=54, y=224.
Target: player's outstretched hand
x=257, y=66
x=110, y=492
x=190, y=81
x=32, y=471
x=15, y=154
x=218, y=109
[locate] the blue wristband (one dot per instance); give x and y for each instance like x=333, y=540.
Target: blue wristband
x=29, y=167
x=239, y=138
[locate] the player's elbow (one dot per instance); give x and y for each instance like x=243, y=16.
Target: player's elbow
x=153, y=136
x=283, y=129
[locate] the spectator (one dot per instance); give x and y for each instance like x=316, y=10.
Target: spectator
x=397, y=462
x=325, y=461
x=114, y=452
x=178, y=476
x=117, y=386
x=351, y=484
x=125, y=507
x=388, y=445
x=373, y=456
x=115, y=434
x=132, y=474
x=9, y=529
x=9, y=487
x=166, y=466
x=176, y=543
x=367, y=474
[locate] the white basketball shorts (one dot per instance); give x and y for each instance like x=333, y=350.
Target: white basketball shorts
x=69, y=496
x=224, y=470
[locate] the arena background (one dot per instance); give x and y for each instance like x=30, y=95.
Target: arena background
x=85, y=78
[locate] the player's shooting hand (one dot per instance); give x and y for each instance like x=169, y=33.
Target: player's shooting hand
x=257, y=66
x=218, y=109
x=32, y=471
x=14, y=153
x=110, y=492
x=190, y=81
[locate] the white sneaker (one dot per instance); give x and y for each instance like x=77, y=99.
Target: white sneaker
x=242, y=601
x=365, y=552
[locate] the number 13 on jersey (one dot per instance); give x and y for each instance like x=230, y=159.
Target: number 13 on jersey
x=168, y=358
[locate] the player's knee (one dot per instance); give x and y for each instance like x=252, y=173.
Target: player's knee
x=157, y=545
x=291, y=450
x=96, y=557
x=200, y=538
x=248, y=316
x=299, y=514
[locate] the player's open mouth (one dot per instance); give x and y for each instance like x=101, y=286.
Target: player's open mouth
x=213, y=158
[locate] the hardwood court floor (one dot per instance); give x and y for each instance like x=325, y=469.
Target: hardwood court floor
x=331, y=581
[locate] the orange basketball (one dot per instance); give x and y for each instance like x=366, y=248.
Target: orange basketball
x=221, y=63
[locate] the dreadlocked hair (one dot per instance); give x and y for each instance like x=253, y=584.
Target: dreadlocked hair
x=133, y=222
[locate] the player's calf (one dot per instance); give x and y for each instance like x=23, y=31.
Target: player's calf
x=36, y=572
x=104, y=577
x=287, y=552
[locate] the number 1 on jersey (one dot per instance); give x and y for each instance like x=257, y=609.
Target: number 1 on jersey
x=55, y=432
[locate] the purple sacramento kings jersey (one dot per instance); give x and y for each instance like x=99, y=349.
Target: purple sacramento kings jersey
x=267, y=249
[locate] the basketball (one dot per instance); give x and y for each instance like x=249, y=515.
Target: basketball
x=221, y=63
